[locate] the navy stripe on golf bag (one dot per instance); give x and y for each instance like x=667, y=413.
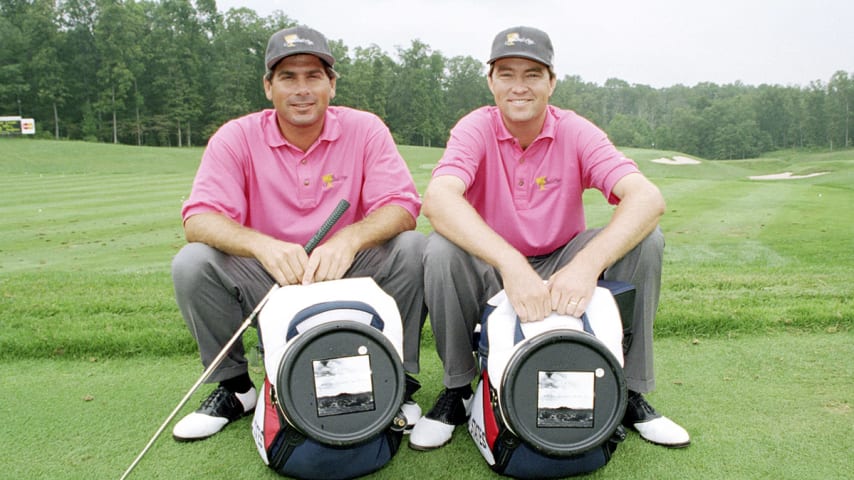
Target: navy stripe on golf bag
x=495, y=412
x=337, y=463
x=358, y=311
x=514, y=459
x=301, y=326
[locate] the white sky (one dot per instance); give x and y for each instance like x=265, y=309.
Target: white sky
x=653, y=42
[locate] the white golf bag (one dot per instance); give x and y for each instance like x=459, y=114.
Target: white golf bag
x=334, y=384
x=552, y=394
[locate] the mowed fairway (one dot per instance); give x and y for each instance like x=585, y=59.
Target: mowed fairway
x=754, y=333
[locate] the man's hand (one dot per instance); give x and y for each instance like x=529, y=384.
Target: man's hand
x=285, y=262
x=527, y=293
x=329, y=261
x=571, y=289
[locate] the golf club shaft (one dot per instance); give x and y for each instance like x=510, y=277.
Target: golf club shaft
x=207, y=373
x=342, y=206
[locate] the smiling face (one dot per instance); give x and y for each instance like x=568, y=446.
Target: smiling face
x=300, y=90
x=521, y=89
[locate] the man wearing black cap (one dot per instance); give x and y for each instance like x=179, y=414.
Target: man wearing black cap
x=266, y=183
x=505, y=201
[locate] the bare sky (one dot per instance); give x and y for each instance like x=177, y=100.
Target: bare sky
x=653, y=42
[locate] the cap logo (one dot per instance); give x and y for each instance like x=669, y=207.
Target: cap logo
x=514, y=38
x=293, y=39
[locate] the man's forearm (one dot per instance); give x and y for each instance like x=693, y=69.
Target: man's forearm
x=637, y=215
x=378, y=227
x=222, y=233
x=455, y=219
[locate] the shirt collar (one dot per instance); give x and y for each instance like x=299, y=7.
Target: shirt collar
x=274, y=138
x=548, y=130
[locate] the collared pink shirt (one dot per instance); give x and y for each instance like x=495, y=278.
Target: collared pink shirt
x=533, y=197
x=251, y=174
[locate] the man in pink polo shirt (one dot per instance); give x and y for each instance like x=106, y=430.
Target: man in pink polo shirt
x=266, y=183
x=505, y=201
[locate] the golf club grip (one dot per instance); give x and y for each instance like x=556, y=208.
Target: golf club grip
x=342, y=207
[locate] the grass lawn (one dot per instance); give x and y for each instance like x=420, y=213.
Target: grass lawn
x=757, y=407
x=753, y=337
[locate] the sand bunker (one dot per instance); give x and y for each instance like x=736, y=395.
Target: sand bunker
x=677, y=161
x=786, y=176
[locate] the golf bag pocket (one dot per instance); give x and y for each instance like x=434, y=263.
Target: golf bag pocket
x=551, y=396
x=334, y=383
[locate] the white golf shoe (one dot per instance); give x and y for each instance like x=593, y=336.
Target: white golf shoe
x=452, y=408
x=652, y=426
x=412, y=412
x=218, y=410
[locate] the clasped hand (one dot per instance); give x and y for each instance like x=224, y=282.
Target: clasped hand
x=289, y=264
x=567, y=292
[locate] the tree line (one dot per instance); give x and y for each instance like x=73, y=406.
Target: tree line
x=170, y=72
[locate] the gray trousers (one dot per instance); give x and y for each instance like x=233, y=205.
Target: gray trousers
x=216, y=292
x=457, y=286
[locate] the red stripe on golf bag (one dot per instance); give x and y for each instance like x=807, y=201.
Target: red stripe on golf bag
x=271, y=416
x=505, y=345
x=490, y=424
x=304, y=426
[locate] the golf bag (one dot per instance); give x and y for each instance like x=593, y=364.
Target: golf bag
x=334, y=383
x=552, y=394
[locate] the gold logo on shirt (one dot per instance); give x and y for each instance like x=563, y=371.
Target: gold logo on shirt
x=541, y=182
x=327, y=180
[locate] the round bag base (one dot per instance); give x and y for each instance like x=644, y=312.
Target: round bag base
x=563, y=393
x=340, y=383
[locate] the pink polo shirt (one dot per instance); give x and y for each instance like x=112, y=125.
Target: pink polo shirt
x=533, y=197
x=251, y=174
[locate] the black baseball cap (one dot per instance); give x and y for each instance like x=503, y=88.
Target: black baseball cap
x=297, y=40
x=525, y=42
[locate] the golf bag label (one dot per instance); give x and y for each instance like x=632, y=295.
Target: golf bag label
x=552, y=394
x=330, y=406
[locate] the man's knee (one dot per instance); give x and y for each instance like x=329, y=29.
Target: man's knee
x=440, y=252
x=189, y=264
x=408, y=248
x=655, y=240
x=652, y=247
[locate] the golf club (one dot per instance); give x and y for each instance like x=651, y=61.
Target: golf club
x=342, y=206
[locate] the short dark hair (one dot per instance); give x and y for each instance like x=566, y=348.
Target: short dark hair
x=551, y=72
x=330, y=72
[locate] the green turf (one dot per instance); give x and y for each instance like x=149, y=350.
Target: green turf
x=762, y=407
x=754, y=332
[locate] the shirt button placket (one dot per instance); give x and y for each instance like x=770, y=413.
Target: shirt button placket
x=520, y=195
x=304, y=174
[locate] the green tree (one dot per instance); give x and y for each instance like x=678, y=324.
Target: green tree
x=174, y=76
x=118, y=35
x=235, y=85
x=733, y=130
x=584, y=98
x=366, y=82
x=465, y=88
x=42, y=69
x=13, y=61
x=815, y=119
x=416, y=104
x=80, y=64
x=630, y=131
x=840, y=103
x=772, y=115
